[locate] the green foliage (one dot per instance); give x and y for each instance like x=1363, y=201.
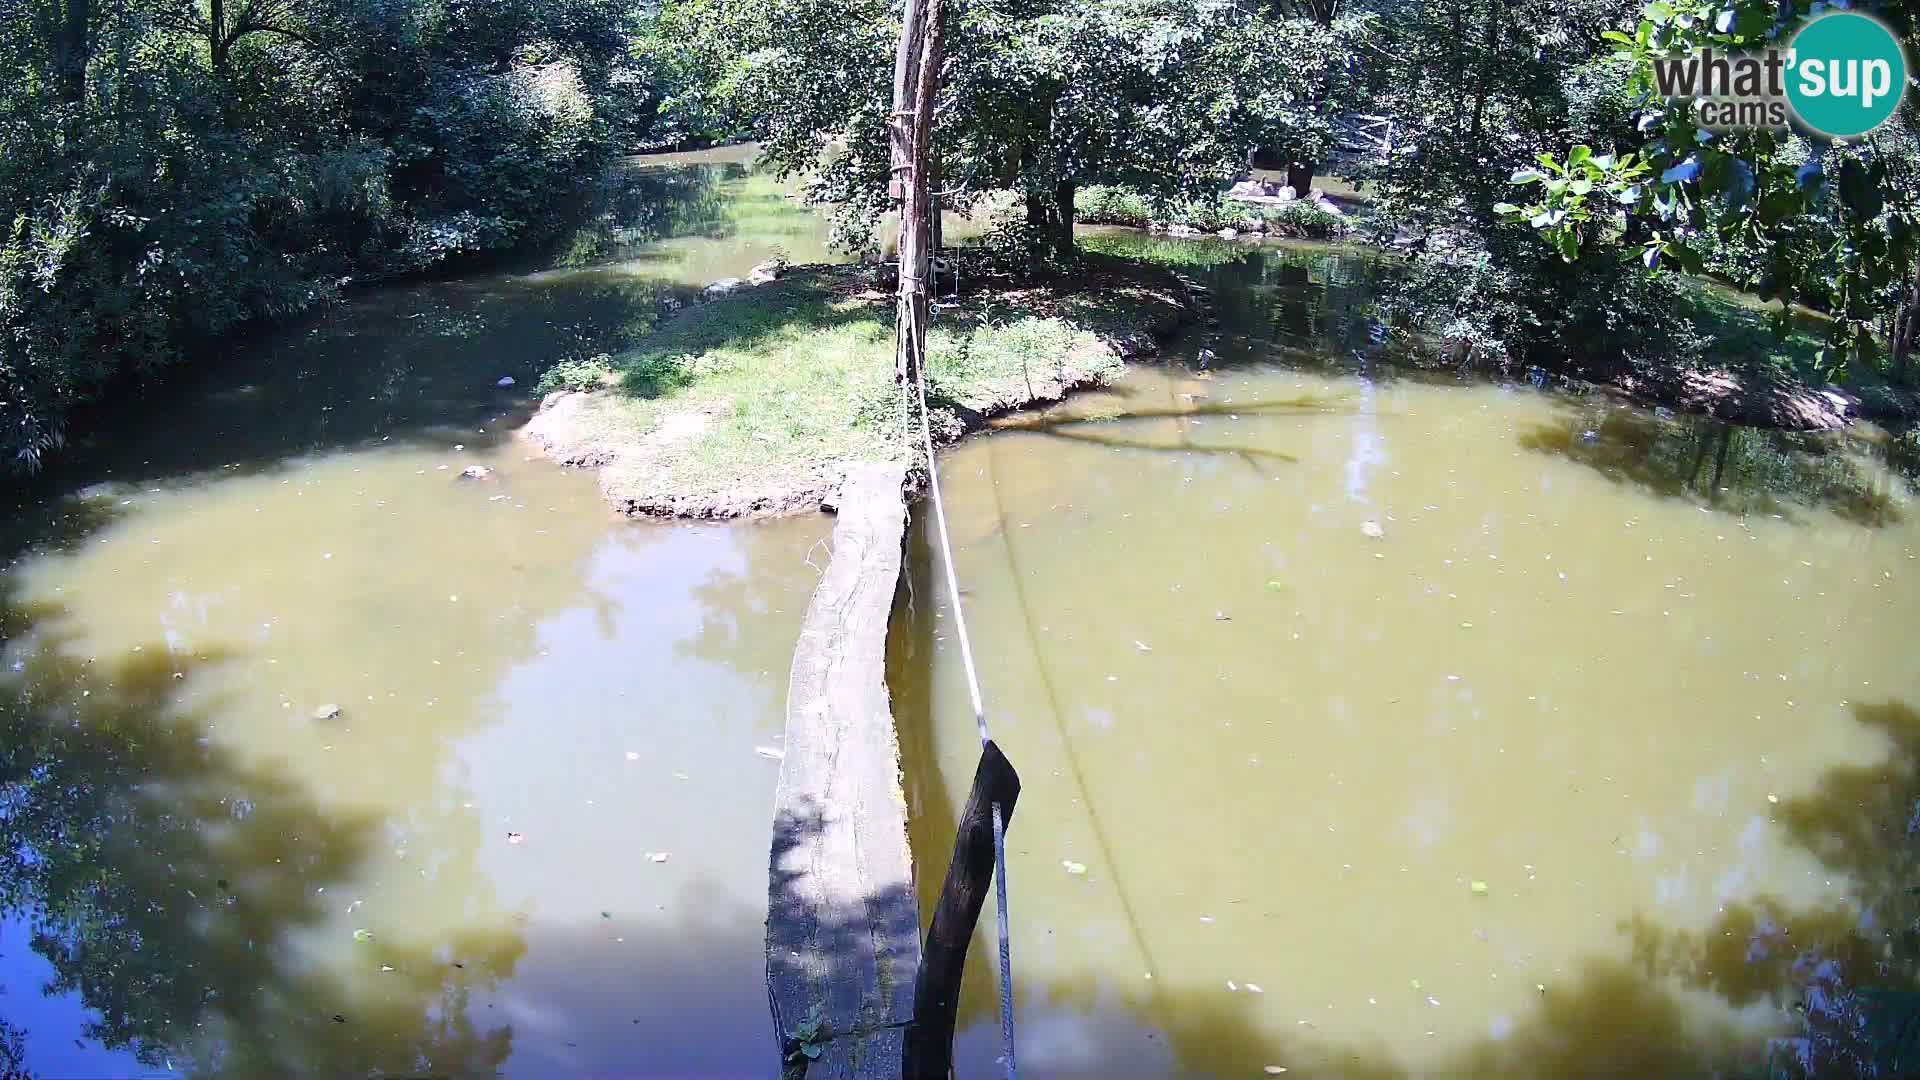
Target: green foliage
x=1021, y=248
x=1302, y=219
x=1209, y=214
x=577, y=373
x=807, y=1035
x=1510, y=301
x=1108, y=204
x=1574, y=196
x=1471, y=86
x=1041, y=97
x=1835, y=226
x=194, y=169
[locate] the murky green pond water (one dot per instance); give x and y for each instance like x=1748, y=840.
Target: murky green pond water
x=1648, y=682
x=534, y=839
x=1381, y=726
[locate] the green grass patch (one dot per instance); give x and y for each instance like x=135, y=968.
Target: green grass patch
x=1744, y=335
x=755, y=400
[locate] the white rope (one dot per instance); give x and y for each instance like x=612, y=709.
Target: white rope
x=946, y=559
x=979, y=719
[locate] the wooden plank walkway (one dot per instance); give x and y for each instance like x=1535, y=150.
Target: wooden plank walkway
x=843, y=926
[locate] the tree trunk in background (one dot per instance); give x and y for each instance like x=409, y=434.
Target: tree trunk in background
x=936, y=234
x=1037, y=213
x=1459, y=38
x=1906, y=328
x=1300, y=177
x=72, y=48
x=1487, y=59
x=1063, y=221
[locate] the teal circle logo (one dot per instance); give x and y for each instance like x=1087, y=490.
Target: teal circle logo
x=1846, y=74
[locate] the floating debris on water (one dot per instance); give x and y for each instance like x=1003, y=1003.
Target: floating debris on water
x=1478, y=888
x=1372, y=530
x=772, y=752
x=1072, y=867
x=515, y=838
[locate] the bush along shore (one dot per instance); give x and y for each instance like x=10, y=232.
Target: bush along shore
x=1250, y=208
x=754, y=402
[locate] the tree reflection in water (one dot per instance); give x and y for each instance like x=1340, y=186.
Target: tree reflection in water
x=166, y=883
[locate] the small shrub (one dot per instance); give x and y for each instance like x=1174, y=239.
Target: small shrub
x=1302, y=219
x=576, y=373
x=1105, y=204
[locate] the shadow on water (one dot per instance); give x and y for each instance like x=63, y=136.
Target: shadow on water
x=182, y=903
x=1303, y=304
x=1770, y=988
x=640, y=205
x=164, y=882
x=1838, y=986
x=1734, y=469
x=1105, y=429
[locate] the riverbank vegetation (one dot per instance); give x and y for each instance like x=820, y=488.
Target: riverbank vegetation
x=170, y=173
x=1545, y=203
x=1142, y=113
x=753, y=402
x=1102, y=204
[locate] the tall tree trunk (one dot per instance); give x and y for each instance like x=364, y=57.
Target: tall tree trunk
x=72, y=48
x=1063, y=192
x=1906, y=326
x=1458, y=39
x=1488, y=56
x=218, y=45
x=1037, y=212
x=1300, y=177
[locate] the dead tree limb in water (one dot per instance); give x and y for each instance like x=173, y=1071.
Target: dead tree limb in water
x=936, y=993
